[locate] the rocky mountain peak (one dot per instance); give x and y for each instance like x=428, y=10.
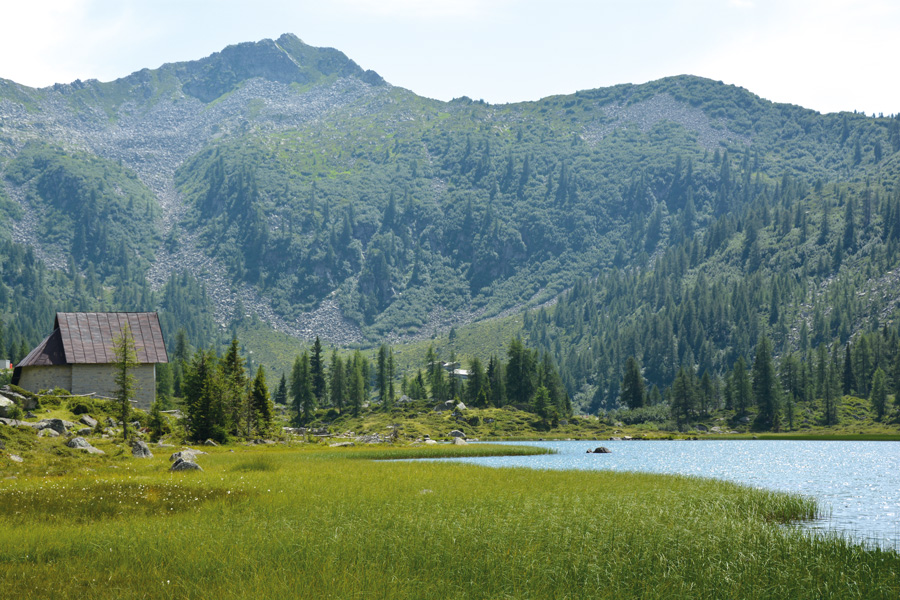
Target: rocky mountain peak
x=285, y=60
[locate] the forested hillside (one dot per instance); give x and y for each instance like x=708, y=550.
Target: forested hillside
x=676, y=222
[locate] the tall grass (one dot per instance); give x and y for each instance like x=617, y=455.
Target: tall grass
x=274, y=523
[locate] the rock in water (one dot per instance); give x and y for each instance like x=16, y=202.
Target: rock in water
x=140, y=450
x=79, y=443
x=602, y=450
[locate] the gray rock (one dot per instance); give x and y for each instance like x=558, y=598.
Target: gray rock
x=460, y=406
x=16, y=458
x=600, y=450
x=185, y=465
x=341, y=445
x=701, y=427
x=7, y=406
x=457, y=434
x=459, y=442
x=210, y=443
x=186, y=454
x=88, y=420
x=430, y=442
x=57, y=425
x=79, y=443
x=47, y=432
x=139, y=449
x=85, y=431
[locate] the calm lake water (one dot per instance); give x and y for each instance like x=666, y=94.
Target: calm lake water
x=857, y=482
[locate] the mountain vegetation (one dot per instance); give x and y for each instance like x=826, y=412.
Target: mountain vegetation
x=656, y=238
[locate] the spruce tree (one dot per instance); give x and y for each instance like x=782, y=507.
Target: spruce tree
x=337, y=387
x=632, y=394
x=259, y=399
x=317, y=372
x=765, y=391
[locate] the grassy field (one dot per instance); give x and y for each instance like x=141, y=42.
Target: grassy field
x=308, y=521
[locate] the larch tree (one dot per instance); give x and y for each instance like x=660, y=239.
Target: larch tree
x=126, y=362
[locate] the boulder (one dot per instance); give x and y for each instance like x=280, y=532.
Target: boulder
x=186, y=454
x=79, y=443
x=459, y=442
x=139, y=449
x=430, y=442
x=47, y=432
x=185, y=465
x=210, y=442
x=460, y=406
x=457, y=434
x=15, y=458
x=85, y=431
x=88, y=420
x=341, y=445
x=7, y=406
x=57, y=425
x=600, y=450
x=700, y=427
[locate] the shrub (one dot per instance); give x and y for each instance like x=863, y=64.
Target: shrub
x=81, y=406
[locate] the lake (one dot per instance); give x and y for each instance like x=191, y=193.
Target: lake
x=856, y=483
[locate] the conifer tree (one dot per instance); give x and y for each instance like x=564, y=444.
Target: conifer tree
x=317, y=372
x=765, y=390
x=234, y=379
x=126, y=362
x=259, y=399
x=337, y=387
x=632, y=394
x=741, y=389
x=281, y=393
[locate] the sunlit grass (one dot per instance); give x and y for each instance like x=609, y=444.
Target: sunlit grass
x=308, y=522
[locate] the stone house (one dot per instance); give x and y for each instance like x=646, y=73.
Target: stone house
x=79, y=356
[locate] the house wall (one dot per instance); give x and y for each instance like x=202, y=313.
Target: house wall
x=35, y=379
x=99, y=380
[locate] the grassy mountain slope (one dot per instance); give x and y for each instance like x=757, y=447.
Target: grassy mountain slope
x=284, y=181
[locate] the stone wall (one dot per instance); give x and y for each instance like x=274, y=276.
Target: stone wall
x=99, y=380
x=35, y=379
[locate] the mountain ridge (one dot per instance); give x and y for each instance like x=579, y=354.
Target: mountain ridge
x=305, y=190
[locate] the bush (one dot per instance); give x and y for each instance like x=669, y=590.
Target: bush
x=82, y=406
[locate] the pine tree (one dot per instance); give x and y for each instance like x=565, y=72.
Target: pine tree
x=337, y=387
x=234, y=378
x=281, y=393
x=765, y=391
x=632, y=394
x=259, y=399
x=317, y=372
x=741, y=389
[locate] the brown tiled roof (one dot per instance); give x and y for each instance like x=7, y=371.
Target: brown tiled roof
x=87, y=338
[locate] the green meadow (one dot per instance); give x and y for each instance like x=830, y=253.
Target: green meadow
x=309, y=521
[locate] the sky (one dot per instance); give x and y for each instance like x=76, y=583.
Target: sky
x=828, y=55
